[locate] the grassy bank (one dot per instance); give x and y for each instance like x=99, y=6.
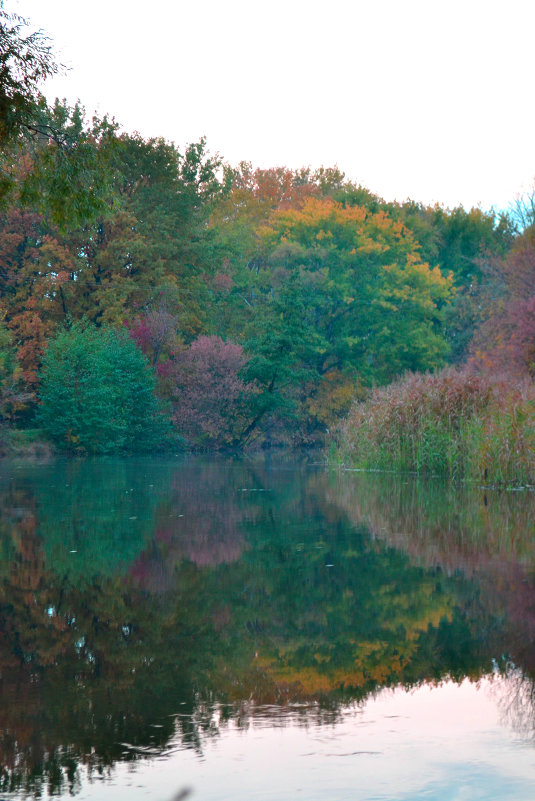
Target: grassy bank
x=454, y=423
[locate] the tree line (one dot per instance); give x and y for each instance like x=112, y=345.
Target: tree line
x=151, y=294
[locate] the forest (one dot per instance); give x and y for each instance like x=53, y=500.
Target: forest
x=156, y=297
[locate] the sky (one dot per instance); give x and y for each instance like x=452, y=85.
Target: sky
x=425, y=99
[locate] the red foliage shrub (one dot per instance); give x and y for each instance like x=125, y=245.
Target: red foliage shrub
x=506, y=343
x=210, y=400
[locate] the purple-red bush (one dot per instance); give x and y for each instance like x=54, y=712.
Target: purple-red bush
x=505, y=342
x=210, y=401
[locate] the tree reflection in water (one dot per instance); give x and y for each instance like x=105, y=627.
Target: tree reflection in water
x=146, y=603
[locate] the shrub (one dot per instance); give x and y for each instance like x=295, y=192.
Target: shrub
x=210, y=401
x=97, y=393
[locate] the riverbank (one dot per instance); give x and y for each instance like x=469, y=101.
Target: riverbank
x=29, y=443
x=33, y=444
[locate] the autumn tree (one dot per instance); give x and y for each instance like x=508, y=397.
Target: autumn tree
x=211, y=402
x=368, y=307
x=35, y=271
x=151, y=245
x=505, y=339
x=155, y=333
x=154, y=243
x=252, y=194
x=464, y=244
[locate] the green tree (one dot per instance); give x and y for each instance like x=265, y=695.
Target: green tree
x=65, y=165
x=369, y=307
x=97, y=393
x=463, y=244
x=154, y=246
x=26, y=59
x=51, y=158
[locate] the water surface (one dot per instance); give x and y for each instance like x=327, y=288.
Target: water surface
x=263, y=629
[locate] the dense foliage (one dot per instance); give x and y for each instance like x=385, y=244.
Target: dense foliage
x=97, y=393
x=478, y=421
x=266, y=301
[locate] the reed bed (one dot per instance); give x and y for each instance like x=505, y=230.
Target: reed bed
x=456, y=423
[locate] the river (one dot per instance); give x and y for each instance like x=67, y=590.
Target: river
x=263, y=628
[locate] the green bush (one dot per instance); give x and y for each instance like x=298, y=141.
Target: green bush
x=97, y=393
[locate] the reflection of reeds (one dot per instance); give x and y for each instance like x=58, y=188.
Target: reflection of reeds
x=456, y=526
x=453, y=423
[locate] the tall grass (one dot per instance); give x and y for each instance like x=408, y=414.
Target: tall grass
x=455, y=423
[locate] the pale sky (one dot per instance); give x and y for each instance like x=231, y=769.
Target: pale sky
x=425, y=99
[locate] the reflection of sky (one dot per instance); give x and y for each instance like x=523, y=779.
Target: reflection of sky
x=445, y=744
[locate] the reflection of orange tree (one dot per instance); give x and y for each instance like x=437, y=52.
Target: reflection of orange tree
x=24, y=579
x=368, y=620
x=368, y=631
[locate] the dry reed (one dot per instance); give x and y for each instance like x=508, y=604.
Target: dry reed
x=455, y=422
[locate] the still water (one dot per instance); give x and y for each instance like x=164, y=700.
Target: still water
x=263, y=629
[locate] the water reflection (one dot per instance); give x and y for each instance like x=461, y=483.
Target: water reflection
x=483, y=534
x=148, y=605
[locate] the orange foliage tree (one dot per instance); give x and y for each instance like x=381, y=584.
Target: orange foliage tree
x=369, y=308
